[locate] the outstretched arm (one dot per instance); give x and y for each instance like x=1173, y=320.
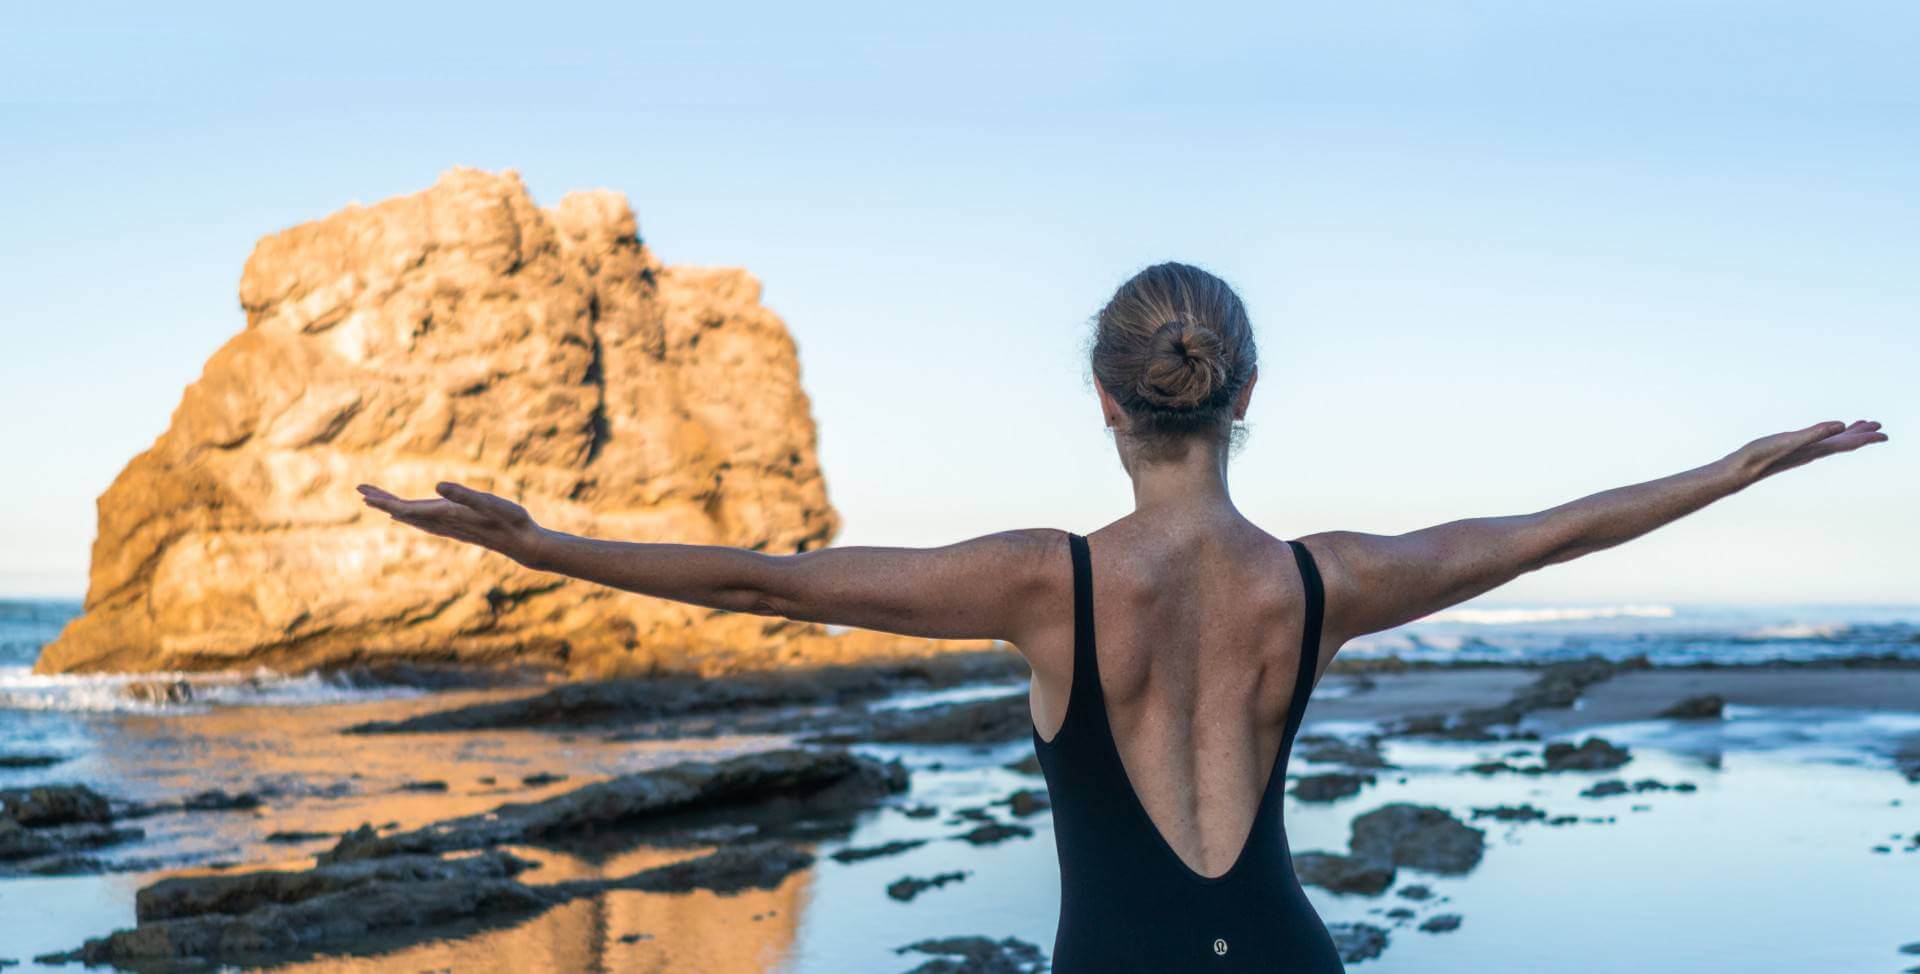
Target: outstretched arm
x=1376, y=582
x=983, y=588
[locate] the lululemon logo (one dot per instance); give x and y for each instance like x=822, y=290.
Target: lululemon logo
x=1220, y=947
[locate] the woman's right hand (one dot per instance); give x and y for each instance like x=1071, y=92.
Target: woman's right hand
x=1769, y=455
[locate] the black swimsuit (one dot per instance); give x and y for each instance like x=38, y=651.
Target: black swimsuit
x=1128, y=902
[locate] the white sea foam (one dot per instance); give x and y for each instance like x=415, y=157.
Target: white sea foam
x=23, y=689
x=1511, y=617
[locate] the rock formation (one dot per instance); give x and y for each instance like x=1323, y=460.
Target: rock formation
x=462, y=333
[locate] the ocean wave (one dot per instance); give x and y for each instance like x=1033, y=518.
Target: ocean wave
x=135, y=693
x=1514, y=617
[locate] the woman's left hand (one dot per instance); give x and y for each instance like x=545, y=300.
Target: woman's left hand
x=469, y=515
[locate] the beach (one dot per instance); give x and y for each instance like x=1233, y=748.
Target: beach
x=831, y=820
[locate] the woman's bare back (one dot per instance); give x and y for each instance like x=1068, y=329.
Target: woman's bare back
x=1198, y=637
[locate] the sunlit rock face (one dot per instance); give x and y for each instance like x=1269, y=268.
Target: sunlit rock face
x=462, y=333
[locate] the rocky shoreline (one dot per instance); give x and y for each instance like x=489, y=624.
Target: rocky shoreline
x=750, y=820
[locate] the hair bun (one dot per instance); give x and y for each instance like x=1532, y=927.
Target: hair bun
x=1186, y=366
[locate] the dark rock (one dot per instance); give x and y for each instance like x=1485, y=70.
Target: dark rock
x=1602, y=789
x=1559, y=685
x=1417, y=837
x=54, y=805
x=21, y=847
x=1027, y=765
x=1593, y=754
x=238, y=893
x=294, y=837
x=411, y=903
x=1490, y=767
x=29, y=761
x=874, y=852
x=1343, y=874
x=1418, y=891
x=1511, y=813
x=1441, y=923
x=977, y=955
x=1028, y=801
x=814, y=779
x=670, y=697
x=1357, y=941
x=542, y=779
x=634, y=938
x=1329, y=786
x=908, y=887
x=919, y=811
x=995, y=832
x=991, y=720
x=1706, y=706
x=1327, y=749
x=730, y=869
x=216, y=800
x=423, y=786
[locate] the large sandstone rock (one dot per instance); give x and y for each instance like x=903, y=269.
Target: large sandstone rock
x=462, y=334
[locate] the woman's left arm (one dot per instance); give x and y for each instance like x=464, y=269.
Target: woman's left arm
x=983, y=588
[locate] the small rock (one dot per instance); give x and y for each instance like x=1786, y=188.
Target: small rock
x=1593, y=754
x=29, y=761
x=541, y=779
x=54, y=805
x=1028, y=801
x=977, y=955
x=1441, y=923
x=1343, y=874
x=1327, y=749
x=995, y=832
x=1027, y=765
x=1704, y=707
x=294, y=836
x=1329, y=786
x=908, y=887
x=1511, y=813
x=1357, y=941
x=1489, y=767
x=1419, y=837
x=895, y=847
x=216, y=800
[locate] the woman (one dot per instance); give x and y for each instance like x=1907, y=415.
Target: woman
x=1165, y=740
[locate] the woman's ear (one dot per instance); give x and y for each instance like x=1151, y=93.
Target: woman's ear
x=1246, y=394
x=1110, y=411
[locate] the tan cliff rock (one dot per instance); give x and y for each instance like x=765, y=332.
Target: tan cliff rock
x=462, y=333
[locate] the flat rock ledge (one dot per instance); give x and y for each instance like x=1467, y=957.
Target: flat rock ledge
x=269, y=917
x=820, y=779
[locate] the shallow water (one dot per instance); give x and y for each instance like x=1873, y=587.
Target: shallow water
x=1769, y=866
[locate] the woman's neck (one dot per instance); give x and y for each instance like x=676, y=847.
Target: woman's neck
x=1195, y=484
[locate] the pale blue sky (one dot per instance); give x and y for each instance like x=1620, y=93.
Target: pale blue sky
x=1498, y=254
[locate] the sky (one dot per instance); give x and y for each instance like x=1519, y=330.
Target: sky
x=1498, y=255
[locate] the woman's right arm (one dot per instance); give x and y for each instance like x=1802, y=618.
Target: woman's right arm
x=1376, y=582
